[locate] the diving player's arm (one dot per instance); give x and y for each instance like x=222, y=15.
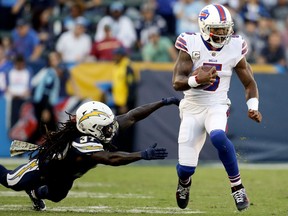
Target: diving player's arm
x=128, y=119
x=123, y=158
x=245, y=74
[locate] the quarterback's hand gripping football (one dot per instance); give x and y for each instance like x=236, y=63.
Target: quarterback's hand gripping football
x=170, y=100
x=153, y=153
x=206, y=75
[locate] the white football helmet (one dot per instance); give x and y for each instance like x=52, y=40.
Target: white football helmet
x=97, y=119
x=215, y=16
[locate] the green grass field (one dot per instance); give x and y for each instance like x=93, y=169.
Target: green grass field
x=145, y=189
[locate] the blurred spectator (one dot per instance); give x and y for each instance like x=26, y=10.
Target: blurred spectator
x=76, y=10
x=44, y=28
x=186, y=13
x=10, y=11
x=36, y=5
x=274, y=53
x=50, y=82
x=124, y=82
x=280, y=12
x=122, y=27
x=234, y=4
x=5, y=67
x=94, y=11
x=18, y=86
x=49, y=90
x=7, y=45
x=148, y=19
x=251, y=36
x=75, y=45
x=164, y=8
x=284, y=34
x=264, y=29
x=103, y=50
x=26, y=41
x=254, y=10
x=269, y=3
x=237, y=19
x=159, y=48
x=124, y=94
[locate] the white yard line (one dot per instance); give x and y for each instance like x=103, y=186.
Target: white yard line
x=106, y=209
x=74, y=194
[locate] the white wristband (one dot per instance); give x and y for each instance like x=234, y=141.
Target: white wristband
x=192, y=81
x=253, y=103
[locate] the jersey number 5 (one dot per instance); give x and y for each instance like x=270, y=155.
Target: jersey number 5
x=215, y=85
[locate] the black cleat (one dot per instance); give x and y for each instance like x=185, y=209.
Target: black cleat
x=182, y=194
x=241, y=199
x=38, y=204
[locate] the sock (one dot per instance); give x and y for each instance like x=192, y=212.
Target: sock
x=235, y=180
x=184, y=173
x=226, y=151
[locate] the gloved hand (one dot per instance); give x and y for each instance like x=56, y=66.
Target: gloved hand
x=153, y=153
x=170, y=100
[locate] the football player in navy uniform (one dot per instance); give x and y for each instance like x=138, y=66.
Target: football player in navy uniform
x=77, y=146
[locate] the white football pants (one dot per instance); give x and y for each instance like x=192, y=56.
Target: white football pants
x=196, y=121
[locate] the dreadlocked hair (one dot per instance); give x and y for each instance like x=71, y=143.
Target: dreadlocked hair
x=55, y=142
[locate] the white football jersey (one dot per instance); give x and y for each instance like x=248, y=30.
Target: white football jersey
x=224, y=59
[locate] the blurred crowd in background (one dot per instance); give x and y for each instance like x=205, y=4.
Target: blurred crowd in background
x=41, y=40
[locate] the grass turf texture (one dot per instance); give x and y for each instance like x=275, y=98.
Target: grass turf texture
x=150, y=190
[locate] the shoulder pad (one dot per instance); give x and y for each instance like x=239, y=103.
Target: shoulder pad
x=87, y=144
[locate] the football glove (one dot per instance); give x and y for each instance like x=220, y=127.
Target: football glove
x=153, y=153
x=170, y=100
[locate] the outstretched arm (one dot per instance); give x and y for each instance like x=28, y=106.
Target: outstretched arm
x=122, y=158
x=245, y=74
x=128, y=119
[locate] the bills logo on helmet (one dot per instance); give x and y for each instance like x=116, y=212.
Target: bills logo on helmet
x=204, y=14
x=93, y=113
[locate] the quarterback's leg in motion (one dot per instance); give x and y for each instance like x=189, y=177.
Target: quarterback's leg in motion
x=191, y=139
x=226, y=152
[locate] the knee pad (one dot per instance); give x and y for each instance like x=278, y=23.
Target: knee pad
x=219, y=140
x=184, y=172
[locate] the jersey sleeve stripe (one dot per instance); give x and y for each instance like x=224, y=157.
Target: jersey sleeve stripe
x=244, y=51
x=181, y=40
x=244, y=48
x=181, y=46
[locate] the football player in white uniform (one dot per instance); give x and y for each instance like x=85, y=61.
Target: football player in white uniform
x=78, y=146
x=205, y=110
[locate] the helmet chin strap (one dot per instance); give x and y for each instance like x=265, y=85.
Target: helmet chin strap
x=218, y=45
x=214, y=44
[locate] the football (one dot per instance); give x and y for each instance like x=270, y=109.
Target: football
x=205, y=68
